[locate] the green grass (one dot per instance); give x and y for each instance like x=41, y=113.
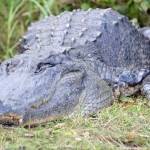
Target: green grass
x=124, y=125
x=15, y=16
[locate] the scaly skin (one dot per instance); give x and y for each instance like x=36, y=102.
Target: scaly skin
x=67, y=63
x=74, y=88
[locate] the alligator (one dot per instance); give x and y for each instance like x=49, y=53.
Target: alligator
x=73, y=64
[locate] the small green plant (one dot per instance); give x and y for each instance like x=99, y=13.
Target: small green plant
x=15, y=16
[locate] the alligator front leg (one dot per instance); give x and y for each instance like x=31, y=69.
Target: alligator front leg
x=96, y=95
x=146, y=87
x=76, y=93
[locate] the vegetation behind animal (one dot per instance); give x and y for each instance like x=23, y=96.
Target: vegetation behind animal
x=16, y=15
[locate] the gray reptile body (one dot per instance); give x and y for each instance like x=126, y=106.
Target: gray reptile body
x=70, y=63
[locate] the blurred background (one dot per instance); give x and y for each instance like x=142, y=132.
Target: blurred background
x=16, y=16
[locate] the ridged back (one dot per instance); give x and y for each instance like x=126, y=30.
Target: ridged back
x=118, y=43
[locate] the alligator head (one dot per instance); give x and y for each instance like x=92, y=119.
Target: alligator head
x=36, y=89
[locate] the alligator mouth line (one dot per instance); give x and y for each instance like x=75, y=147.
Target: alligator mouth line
x=42, y=121
x=10, y=119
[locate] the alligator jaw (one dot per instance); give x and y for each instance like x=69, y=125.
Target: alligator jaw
x=10, y=119
x=35, y=122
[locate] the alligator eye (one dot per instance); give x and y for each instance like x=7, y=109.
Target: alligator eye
x=42, y=66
